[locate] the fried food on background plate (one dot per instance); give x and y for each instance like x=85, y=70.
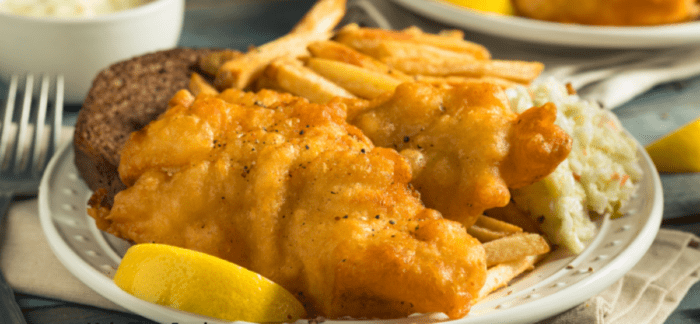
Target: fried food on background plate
x=466, y=146
x=613, y=13
x=290, y=190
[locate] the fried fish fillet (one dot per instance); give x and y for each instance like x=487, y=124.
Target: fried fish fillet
x=466, y=146
x=288, y=189
x=610, y=12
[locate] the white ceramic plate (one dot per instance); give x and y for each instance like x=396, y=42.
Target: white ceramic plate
x=559, y=283
x=556, y=33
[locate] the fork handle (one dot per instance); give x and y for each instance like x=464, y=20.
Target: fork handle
x=9, y=310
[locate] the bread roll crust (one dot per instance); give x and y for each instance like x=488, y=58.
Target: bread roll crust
x=124, y=98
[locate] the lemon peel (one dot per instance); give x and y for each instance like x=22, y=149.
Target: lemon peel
x=678, y=151
x=203, y=284
x=503, y=7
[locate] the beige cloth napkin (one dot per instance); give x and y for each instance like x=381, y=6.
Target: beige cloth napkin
x=647, y=294
x=30, y=266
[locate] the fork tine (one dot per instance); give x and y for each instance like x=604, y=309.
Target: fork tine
x=57, y=118
x=36, y=160
x=20, y=145
x=7, y=121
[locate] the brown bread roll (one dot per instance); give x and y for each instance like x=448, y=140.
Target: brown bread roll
x=124, y=98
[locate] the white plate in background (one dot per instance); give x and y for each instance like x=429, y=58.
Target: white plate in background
x=553, y=33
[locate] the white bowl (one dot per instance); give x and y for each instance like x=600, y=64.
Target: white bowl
x=79, y=48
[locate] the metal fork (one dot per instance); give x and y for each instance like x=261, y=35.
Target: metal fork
x=25, y=149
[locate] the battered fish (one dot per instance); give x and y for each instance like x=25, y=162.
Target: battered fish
x=290, y=190
x=466, y=146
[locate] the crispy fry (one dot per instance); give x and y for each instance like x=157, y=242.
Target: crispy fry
x=487, y=229
x=358, y=81
x=316, y=25
x=514, y=247
x=240, y=72
x=437, y=80
x=212, y=62
x=339, y=52
x=447, y=33
x=497, y=225
x=417, y=53
x=436, y=64
x=511, y=214
x=291, y=76
x=389, y=51
x=500, y=275
x=199, y=85
x=322, y=17
x=352, y=35
x=484, y=234
x=182, y=97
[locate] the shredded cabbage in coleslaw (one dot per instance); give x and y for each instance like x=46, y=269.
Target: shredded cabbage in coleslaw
x=599, y=176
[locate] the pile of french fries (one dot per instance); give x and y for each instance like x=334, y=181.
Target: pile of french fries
x=510, y=251
x=319, y=63
x=315, y=62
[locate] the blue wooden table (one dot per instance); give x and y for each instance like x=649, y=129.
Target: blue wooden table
x=238, y=24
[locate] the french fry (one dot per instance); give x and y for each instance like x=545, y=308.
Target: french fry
x=487, y=229
x=199, y=85
x=391, y=51
x=213, y=61
x=484, y=234
x=291, y=76
x=452, y=33
x=352, y=35
x=497, y=225
x=316, y=25
x=436, y=64
x=358, y=81
x=240, y=72
x=322, y=17
x=500, y=275
x=514, y=247
x=417, y=53
x=181, y=98
x=336, y=51
x=511, y=214
x=448, y=33
x=455, y=80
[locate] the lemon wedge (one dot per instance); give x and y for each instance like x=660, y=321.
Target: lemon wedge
x=678, y=151
x=503, y=7
x=203, y=284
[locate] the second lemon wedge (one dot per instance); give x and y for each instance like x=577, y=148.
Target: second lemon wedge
x=503, y=7
x=678, y=151
x=203, y=284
